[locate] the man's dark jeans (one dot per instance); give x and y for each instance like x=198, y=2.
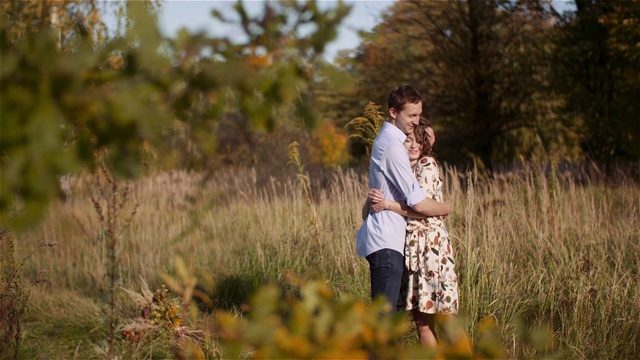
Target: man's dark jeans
x=386, y=268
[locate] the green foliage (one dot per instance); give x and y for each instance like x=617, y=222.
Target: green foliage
x=314, y=326
x=333, y=93
x=60, y=108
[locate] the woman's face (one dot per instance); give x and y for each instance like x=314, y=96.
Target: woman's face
x=412, y=146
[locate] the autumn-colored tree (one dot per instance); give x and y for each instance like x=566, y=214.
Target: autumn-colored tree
x=478, y=66
x=329, y=147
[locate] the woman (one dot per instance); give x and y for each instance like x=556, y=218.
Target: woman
x=430, y=283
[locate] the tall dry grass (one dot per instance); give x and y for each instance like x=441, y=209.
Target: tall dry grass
x=534, y=249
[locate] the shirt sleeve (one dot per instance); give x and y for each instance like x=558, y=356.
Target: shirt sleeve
x=398, y=170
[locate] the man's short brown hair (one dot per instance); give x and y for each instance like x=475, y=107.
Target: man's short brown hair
x=402, y=95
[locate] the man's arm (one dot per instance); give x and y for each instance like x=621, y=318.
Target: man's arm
x=379, y=203
x=398, y=170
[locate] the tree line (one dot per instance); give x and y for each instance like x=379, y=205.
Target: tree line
x=510, y=80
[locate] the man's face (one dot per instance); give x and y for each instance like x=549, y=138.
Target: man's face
x=407, y=118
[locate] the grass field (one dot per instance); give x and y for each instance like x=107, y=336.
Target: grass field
x=554, y=261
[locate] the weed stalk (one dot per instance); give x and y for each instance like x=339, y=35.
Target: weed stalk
x=114, y=198
x=305, y=185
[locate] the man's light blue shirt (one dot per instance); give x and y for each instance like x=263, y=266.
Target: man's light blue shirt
x=390, y=171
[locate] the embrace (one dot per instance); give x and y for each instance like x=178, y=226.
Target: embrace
x=404, y=238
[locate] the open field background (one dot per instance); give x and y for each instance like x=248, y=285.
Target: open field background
x=550, y=257
x=534, y=249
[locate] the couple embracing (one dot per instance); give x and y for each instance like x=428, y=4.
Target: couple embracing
x=403, y=237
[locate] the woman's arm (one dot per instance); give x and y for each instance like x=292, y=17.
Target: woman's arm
x=431, y=207
x=427, y=172
x=404, y=210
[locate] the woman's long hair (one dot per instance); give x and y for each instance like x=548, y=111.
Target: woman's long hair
x=423, y=138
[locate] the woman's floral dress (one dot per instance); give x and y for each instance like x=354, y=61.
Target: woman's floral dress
x=430, y=283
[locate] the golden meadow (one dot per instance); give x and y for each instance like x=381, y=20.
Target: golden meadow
x=550, y=258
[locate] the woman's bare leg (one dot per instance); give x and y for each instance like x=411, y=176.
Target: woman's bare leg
x=426, y=328
x=454, y=332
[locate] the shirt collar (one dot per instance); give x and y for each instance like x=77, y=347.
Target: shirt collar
x=394, y=131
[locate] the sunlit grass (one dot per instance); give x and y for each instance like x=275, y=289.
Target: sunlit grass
x=531, y=249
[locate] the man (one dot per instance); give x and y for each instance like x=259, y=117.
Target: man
x=381, y=238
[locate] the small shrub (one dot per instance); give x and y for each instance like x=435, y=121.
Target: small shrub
x=13, y=298
x=159, y=313
x=14, y=294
